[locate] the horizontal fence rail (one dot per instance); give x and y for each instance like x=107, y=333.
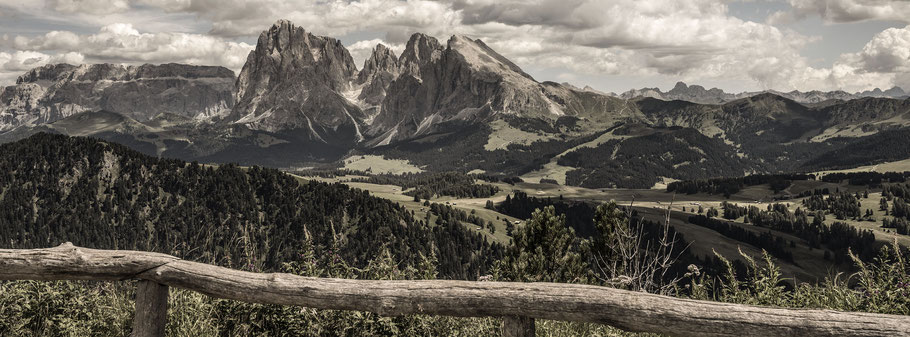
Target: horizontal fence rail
x=518, y=303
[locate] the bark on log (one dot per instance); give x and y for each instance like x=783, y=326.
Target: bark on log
x=151, y=310
x=627, y=310
x=518, y=327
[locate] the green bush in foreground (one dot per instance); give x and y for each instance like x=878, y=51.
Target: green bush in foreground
x=881, y=286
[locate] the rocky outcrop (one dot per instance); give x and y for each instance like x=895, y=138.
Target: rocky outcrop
x=113, y=72
x=49, y=93
x=294, y=81
x=378, y=73
x=19, y=105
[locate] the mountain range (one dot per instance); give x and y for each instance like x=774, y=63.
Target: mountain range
x=300, y=101
x=698, y=94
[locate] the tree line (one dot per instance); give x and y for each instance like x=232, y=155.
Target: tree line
x=730, y=186
x=427, y=185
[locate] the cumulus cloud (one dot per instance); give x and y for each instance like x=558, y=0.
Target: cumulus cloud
x=682, y=39
x=842, y=11
x=89, y=6
x=888, y=51
x=122, y=43
x=14, y=64
x=883, y=62
x=25, y=60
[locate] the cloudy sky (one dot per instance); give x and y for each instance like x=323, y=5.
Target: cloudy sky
x=611, y=45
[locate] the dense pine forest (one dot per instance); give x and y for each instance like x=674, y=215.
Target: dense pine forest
x=55, y=189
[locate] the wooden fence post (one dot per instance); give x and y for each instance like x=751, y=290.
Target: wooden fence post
x=151, y=309
x=514, y=326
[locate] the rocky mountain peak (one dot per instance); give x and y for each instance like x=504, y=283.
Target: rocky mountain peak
x=465, y=81
x=381, y=60
x=286, y=52
x=477, y=54
x=49, y=72
x=378, y=72
x=680, y=86
x=295, y=80
x=895, y=92
x=421, y=49
x=696, y=93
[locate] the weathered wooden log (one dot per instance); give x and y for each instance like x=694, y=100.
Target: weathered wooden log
x=151, y=310
x=633, y=311
x=518, y=327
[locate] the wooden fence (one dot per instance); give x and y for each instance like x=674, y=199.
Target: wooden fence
x=519, y=304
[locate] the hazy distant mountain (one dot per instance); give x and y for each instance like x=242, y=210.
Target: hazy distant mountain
x=52, y=92
x=698, y=94
x=893, y=92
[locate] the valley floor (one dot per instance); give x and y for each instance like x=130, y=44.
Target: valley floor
x=808, y=264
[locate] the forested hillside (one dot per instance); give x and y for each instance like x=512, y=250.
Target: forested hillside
x=56, y=188
x=638, y=162
x=885, y=146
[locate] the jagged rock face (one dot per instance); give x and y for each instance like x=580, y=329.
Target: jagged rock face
x=465, y=80
x=378, y=73
x=294, y=80
x=53, y=92
x=421, y=50
x=112, y=72
x=18, y=102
